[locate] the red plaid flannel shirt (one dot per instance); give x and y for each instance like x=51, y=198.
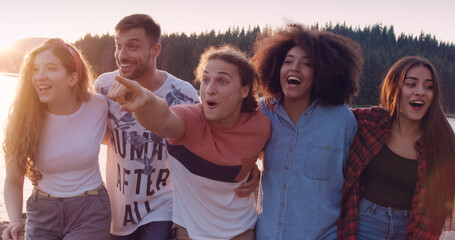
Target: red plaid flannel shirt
x=373, y=129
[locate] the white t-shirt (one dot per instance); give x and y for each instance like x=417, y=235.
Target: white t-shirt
x=137, y=173
x=69, y=148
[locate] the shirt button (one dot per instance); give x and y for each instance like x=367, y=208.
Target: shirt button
x=287, y=168
x=284, y=186
x=327, y=147
x=282, y=205
x=280, y=223
x=290, y=149
x=305, y=113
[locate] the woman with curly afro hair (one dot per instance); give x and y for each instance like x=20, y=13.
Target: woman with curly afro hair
x=311, y=76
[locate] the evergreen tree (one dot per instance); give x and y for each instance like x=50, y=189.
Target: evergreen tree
x=381, y=48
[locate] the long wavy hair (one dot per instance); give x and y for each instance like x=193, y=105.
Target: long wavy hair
x=438, y=136
x=27, y=114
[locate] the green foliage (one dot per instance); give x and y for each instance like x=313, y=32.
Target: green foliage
x=381, y=48
x=99, y=51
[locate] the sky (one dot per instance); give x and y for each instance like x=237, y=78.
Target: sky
x=71, y=20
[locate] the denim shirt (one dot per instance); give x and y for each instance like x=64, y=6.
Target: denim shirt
x=303, y=172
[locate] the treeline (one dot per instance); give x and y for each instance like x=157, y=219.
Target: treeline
x=381, y=48
x=179, y=54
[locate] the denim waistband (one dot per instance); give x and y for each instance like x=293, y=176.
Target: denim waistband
x=388, y=210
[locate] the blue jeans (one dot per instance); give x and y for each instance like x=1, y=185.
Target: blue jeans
x=151, y=231
x=377, y=222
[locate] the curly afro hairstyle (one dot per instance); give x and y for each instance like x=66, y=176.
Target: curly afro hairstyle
x=337, y=62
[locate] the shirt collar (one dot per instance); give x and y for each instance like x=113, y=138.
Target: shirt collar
x=277, y=104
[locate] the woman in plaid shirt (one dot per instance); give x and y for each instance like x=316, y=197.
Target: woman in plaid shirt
x=400, y=177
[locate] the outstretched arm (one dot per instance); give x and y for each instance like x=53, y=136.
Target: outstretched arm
x=14, y=183
x=150, y=111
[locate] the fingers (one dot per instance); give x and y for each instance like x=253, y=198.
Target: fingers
x=255, y=174
x=248, y=187
x=125, y=92
x=16, y=233
x=117, y=92
x=129, y=94
x=130, y=88
x=13, y=232
x=5, y=234
x=126, y=82
x=245, y=189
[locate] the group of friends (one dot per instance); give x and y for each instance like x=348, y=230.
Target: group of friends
x=182, y=165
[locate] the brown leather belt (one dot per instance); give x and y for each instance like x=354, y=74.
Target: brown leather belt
x=91, y=192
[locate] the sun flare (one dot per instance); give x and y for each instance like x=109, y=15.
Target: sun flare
x=6, y=43
x=8, y=84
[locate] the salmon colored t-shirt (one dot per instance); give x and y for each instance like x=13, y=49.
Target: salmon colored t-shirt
x=239, y=145
x=207, y=165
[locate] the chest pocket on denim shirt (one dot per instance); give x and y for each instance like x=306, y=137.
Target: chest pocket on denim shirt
x=322, y=160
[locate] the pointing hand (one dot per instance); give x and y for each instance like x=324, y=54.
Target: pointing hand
x=128, y=93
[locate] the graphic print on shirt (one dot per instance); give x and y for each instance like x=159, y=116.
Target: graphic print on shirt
x=138, y=142
x=122, y=120
x=175, y=97
x=125, y=121
x=132, y=143
x=144, y=148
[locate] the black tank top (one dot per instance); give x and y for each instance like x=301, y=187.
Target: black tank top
x=390, y=180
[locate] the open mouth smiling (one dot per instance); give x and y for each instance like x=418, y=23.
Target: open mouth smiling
x=293, y=80
x=125, y=65
x=43, y=87
x=417, y=104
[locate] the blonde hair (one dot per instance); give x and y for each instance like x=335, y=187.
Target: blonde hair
x=27, y=114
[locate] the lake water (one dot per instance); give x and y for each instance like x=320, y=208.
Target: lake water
x=7, y=92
